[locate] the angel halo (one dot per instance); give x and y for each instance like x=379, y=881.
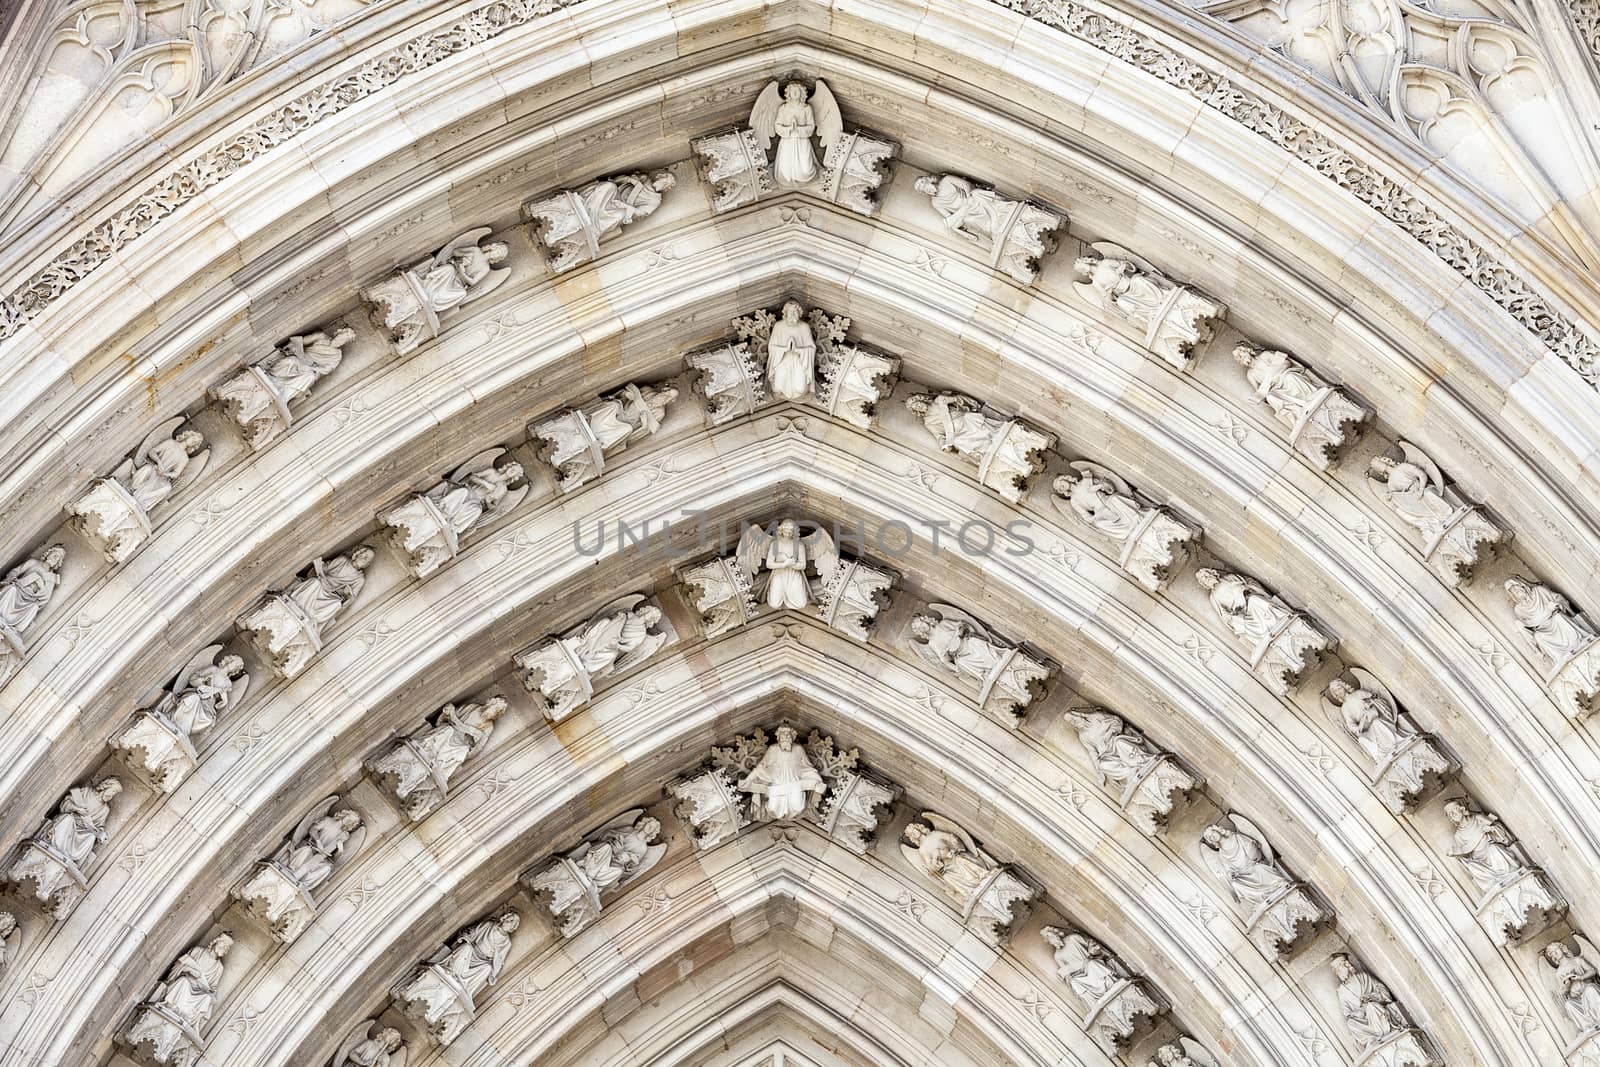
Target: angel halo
x=792, y=115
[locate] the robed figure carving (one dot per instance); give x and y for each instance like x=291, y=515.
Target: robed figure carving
x=794, y=117
x=784, y=782
x=1515, y=899
x=168, y=1029
x=257, y=399
x=791, y=355
x=115, y=511
x=565, y=670
x=776, y=563
x=1280, y=911
x=288, y=626
x=1376, y=1021
x=1574, y=983
x=158, y=745
x=442, y=994
x=1565, y=640
x=24, y=593
x=408, y=306
x=418, y=769
x=56, y=858
x=989, y=895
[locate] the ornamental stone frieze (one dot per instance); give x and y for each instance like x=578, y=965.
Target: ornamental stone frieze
x=56, y=858
x=1566, y=641
x=1007, y=451
x=1152, y=543
x=565, y=670
x=1283, y=645
x=289, y=626
x=411, y=306
x=1571, y=973
x=1116, y=1004
x=1515, y=899
x=1454, y=535
x=115, y=512
x=443, y=993
x=573, y=885
x=991, y=897
x=1405, y=764
x=158, y=745
x=1004, y=677
x=1169, y=319
x=1379, y=1025
x=416, y=769
x=787, y=569
x=1148, y=781
x=750, y=782
x=25, y=592
x=794, y=355
x=1280, y=912
x=578, y=441
x=258, y=398
x=1321, y=420
x=428, y=528
x=280, y=891
x=1016, y=234
x=168, y=1028
x=740, y=166
x=569, y=225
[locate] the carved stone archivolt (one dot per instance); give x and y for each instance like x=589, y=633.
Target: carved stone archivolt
x=1283, y=645
x=1007, y=451
x=280, y=892
x=1515, y=899
x=1116, y=1003
x=1016, y=234
x=1453, y=535
x=1567, y=643
x=258, y=398
x=574, y=885
x=1004, y=677
x=1280, y=912
x=991, y=897
x=158, y=745
x=1406, y=764
x=56, y=858
x=1321, y=420
x=578, y=441
x=752, y=780
x=1149, y=783
x=428, y=528
x=1169, y=319
x=570, y=224
x=565, y=670
x=289, y=626
x=410, y=306
x=115, y=512
x=1152, y=543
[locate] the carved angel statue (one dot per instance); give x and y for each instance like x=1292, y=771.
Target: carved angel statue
x=791, y=355
x=1184, y=1052
x=289, y=626
x=9, y=930
x=1148, y=780
x=578, y=442
x=158, y=744
x=1016, y=233
x=281, y=891
x=794, y=117
x=1455, y=536
x=418, y=768
x=1575, y=982
x=1516, y=901
x=1321, y=419
x=170, y=1026
x=1115, y=1001
x=988, y=895
x=572, y=223
x=1407, y=763
x=564, y=670
x=1007, y=452
x=572, y=885
x=1238, y=855
x=114, y=512
x=24, y=593
x=371, y=1045
x=428, y=528
x=441, y=994
x=1153, y=543
x=1283, y=644
x=1170, y=318
x=258, y=397
x=55, y=859
x=1565, y=640
x=776, y=563
x=954, y=642
x=1371, y=1014
x=784, y=782
x=408, y=305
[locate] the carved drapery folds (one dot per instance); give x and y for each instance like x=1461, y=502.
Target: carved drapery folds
x=1007, y=451
x=158, y=745
x=168, y=1028
x=1376, y=1022
x=371, y=1045
x=1153, y=543
x=258, y=398
x=417, y=768
x=1148, y=781
x=279, y=892
x=1116, y=1003
x=991, y=897
x=55, y=860
x=409, y=306
x=1406, y=764
x=1184, y=1052
x=1453, y=534
x=750, y=781
x=1571, y=975
x=442, y=993
x=1279, y=911
x=1321, y=419
x=1515, y=899
x=573, y=885
x=428, y=529
x=794, y=355
x=564, y=670
x=115, y=511
x=1005, y=678
x=1016, y=234
x=578, y=441
x=1565, y=640
x=570, y=224
x=1169, y=319
x=25, y=592
x=1283, y=645
x=788, y=569
x=288, y=626
x=736, y=163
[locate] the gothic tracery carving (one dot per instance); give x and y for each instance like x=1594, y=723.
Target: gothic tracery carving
x=565, y=669
x=990, y=896
x=570, y=224
x=428, y=528
x=573, y=885
x=1007, y=451
x=115, y=511
x=1280, y=912
x=1006, y=678
x=408, y=306
x=1153, y=543
x=1017, y=234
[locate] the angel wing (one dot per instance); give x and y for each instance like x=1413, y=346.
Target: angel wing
x=1250, y=830
x=362, y=1032
x=483, y=461
x=1106, y=473
x=751, y=555
x=156, y=436
x=470, y=239
x=764, y=115
x=939, y=822
x=950, y=611
x=1197, y=1052
x=320, y=809
x=830, y=127
x=204, y=658
x=1112, y=250
x=822, y=552
x=1415, y=455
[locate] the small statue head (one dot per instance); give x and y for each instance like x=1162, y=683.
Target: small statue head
x=1343, y=969
x=108, y=789
x=915, y=832
x=231, y=665
x=649, y=828
x=1207, y=577
x=662, y=180
x=342, y=336
x=649, y=614
x=796, y=92
x=1555, y=952
x=919, y=403
x=1339, y=689
x=511, y=472
x=792, y=311
x=1054, y=935
x=496, y=252
x=361, y=557
x=509, y=921
x=1244, y=353
x=389, y=1039
x=1455, y=811
x=1211, y=836
x=667, y=394
x=1518, y=589
x=921, y=627
x=786, y=736
x=221, y=944
x=1380, y=468
x=54, y=556
x=349, y=821
x=190, y=441
x=927, y=185
x=493, y=708
x=788, y=528
x=1169, y=1056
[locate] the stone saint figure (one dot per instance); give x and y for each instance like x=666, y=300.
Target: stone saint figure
x=1251, y=876
x=434, y=994
x=1370, y=719
x=793, y=116
x=56, y=856
x=115, y=511
x=421, y=765
x=944, y=857
x=1485, y=847
x=1101, y=503
x=957, y=423
x=783, y=779
x=258, y=397
x=1244, y=604
x=964, y=209
x=26, y=590
x=1370, y=1012
x=181, y=1006
x=1576, y=983
x=1545, y=614
x=785, y=555
x=368, y=1046
x=791, y=355
x=306, y=864
x=190, y=708
x=290, y=626
x=8, y=926
x=408, y=305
